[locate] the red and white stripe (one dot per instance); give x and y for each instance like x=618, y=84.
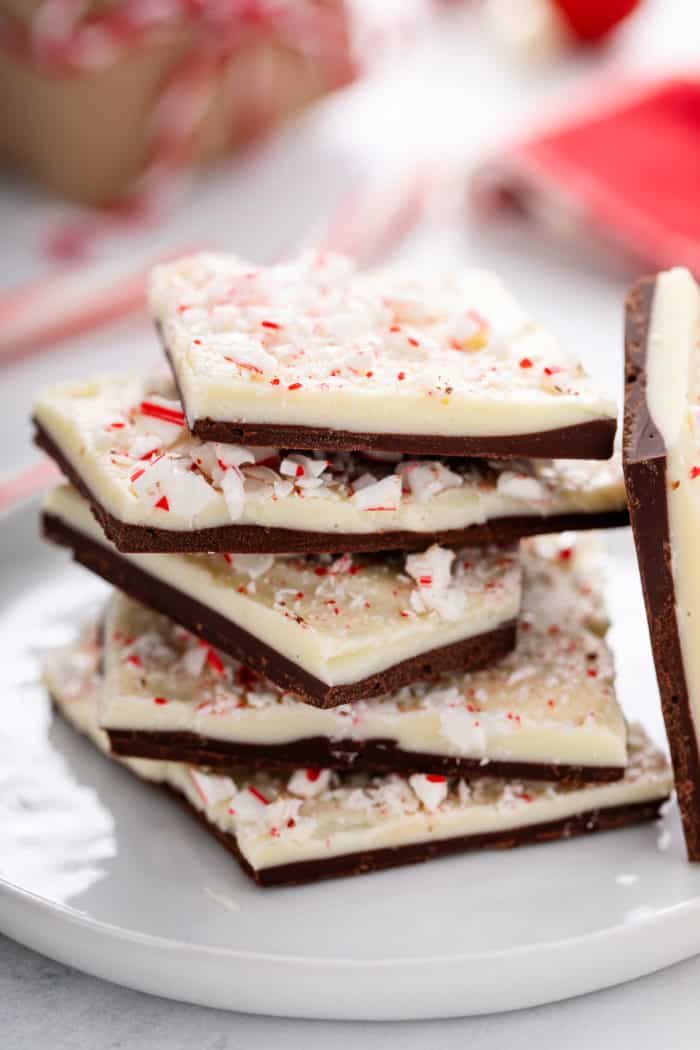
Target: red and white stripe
x=70, y=302
x=30, y=481
x=368, y=224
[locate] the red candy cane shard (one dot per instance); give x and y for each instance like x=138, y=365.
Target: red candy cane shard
x=162, y=412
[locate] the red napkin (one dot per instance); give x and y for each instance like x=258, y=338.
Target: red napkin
x=626, y=173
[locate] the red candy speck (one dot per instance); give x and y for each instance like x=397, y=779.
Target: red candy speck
x=294, y=386
x=525, y=362
x=159, y=700
x=214, y=661
x=270, y=324
x=693, y=473
x=162, y=504
x=435, y=778
x=313, y=775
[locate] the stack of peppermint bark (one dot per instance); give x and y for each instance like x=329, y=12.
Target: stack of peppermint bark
x=338, y=632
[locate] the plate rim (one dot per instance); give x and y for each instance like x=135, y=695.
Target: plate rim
x=76, y=917
x=605, y=957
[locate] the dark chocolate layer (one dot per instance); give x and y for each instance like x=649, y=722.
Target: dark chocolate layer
x=592, y=440
x=302, y=872
x=306, y=871
x=377, y=756
x=645, y=468
x=466, y=655
x=259, y=539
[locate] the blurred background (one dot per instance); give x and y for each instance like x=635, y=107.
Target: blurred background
x=555, y=141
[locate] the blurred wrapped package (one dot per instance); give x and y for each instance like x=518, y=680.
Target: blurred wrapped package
x=104, y=99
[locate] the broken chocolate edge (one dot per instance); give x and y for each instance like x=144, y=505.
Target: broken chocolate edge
x=645, y=470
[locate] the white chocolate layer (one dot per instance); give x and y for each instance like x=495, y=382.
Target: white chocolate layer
x=550, y=701
x=341, y=620
x=673, y=393
x=101, y=430
x=313, y=816
x=314, y=343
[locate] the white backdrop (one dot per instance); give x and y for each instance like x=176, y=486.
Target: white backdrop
x=451, y=97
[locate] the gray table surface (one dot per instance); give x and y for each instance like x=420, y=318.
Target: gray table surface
x=46, y=1005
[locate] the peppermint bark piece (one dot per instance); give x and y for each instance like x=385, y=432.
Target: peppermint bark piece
x=331, y=630
x=311, y=354
x=314, y=824
x=154, y=487
x=548, y=710
x=662, y=471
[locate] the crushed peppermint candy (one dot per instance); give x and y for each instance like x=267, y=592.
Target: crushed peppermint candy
x=307, y=783
x=261, y=805
x=211, y=788
x=430, y=790
x=379, y=495
x=153, y=457
x=335, y=327
x=438, y=589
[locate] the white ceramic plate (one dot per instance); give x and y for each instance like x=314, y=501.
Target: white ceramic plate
x=101, y=872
